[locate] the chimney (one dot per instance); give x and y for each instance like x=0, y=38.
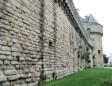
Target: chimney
x=77, y=11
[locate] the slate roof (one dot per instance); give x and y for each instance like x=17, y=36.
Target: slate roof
x=89, y=19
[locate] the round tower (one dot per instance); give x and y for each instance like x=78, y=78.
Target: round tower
x=96, y=34
x=95, y=31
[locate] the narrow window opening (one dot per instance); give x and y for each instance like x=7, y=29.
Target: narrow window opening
x=50, y=43
x=93, y=57
x=87, y=49
x=99, y=51
x=18, y=59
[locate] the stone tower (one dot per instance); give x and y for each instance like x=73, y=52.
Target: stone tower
x=96, y=32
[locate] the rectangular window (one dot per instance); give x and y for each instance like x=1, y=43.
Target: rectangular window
x=99, y=51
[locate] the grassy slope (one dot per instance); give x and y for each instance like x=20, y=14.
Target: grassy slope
x=90, y=77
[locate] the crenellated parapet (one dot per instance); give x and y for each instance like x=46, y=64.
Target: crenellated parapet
x=96, y=29
x=90, y=23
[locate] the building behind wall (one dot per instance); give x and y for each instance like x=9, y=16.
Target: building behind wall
x=42, y=40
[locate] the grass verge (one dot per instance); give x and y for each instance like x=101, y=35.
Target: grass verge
x=89, y=77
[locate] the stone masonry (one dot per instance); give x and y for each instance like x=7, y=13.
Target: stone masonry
x=40, y=41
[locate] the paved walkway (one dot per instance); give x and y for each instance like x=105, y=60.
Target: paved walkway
x=108, y=67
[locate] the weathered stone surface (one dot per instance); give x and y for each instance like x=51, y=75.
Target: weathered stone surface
x=3, y=78
x=15, y=54
x=22, y=58
x=1, y=62
x=28, y=80
x=5, y=52
x=14, y=40
x=3, y=57
x=13, y=77
x=6, y=62
x=1, y=73
x=10, y=58
x=21, y=85
x=3, y=42
x=4, y=48
x=32, y=84
x=14, y=62
x=14, y=49
x=6, y=84
x=10, y=72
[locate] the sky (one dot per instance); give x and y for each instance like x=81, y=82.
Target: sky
x=102, y=11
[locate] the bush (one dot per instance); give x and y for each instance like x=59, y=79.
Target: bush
x=54, y=75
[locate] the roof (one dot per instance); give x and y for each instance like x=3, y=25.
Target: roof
x=89, y=19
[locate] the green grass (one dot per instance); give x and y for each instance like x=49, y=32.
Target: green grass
x=89, y=77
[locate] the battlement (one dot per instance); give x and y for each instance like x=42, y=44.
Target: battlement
x=89, y=22
x=96, y=28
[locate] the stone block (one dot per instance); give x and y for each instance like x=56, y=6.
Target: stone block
x=1, y=73
x=14, y=62
x=22, y=58
x=20, y=85
x=14, y=40
x=10, y=72
x=10, y=58
x=32, y=84
x=14, y=54
x=3, y=57
x=3, y=42
x=6, y=62
x=23, y=76
x=4, y=48
x=6, y=84
x=1, y=62
x=5, y=52
x=28, y=80
x=13, y=77
x=14, y=49
x=3, y=78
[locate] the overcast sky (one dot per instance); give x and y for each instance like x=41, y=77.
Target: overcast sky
x=102, y=11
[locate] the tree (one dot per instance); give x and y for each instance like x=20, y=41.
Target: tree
x=105, y=58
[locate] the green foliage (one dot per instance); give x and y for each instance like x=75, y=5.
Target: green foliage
x=80, y=47
x=54, y=76
x=78, y=53
x=105, y=58
x=94, y=57
x=87, y=67
x=42, y=78
x=42, y=30
x=82, y=57
x=88, y=61
x=88, y=77
x=86, y=56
